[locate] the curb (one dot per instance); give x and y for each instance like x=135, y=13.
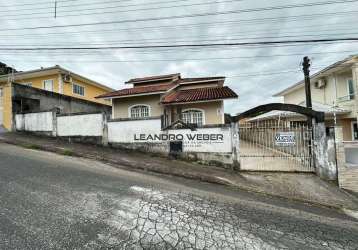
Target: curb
x=114, y=163
x=142, y=168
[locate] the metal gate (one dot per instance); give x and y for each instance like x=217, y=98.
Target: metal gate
x=275, y=146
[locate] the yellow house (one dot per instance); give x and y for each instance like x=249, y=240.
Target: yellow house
x=197, y=101
x=54, y=79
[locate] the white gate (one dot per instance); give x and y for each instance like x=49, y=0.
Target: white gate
x=275, y=146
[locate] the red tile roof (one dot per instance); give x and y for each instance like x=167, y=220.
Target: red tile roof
x=153, y=78
x=201, y=94
x=139, y=90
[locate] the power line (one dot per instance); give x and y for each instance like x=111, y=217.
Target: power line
x=38, y=3
x=209, y=24
x=173, y=50
x=59, y=7
x=180, y=39
x=351, y=39
x=192, y=15
x=114, y=7
x=194, y=59
x=259, y=74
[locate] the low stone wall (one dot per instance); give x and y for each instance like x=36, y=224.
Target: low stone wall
x=208, y=145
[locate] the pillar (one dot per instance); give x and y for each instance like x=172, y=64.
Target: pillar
x=340, y=154
x=235, y=146
x=323, y=148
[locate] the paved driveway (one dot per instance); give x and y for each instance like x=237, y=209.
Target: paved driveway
x=49, y=201
x=260, y=158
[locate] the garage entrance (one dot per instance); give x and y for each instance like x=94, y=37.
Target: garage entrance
x=271, y=145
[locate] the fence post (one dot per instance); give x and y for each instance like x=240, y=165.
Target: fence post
x=104, y=129
x=235, y=145
x=340, y=153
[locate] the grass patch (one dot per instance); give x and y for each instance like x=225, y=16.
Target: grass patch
x=68, y=152
x=31, y=146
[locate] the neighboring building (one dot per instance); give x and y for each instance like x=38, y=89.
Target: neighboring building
x=56, y=80
x=333, y=92
x=198, y=101
x=4, y=69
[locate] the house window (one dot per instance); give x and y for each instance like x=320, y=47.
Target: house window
x=48, y=85
x=78, y=89
x=350, y=88
x=139, y=111
x=193, y=116
x=1, y=93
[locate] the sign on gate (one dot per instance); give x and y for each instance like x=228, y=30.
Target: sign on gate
x=285, y=139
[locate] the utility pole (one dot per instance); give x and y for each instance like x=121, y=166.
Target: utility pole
x=306, y=70
x=55, y=8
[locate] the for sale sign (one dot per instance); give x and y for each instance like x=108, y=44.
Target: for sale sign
x=285, y=139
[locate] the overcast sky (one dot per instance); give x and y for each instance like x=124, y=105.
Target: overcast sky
x=254, y=72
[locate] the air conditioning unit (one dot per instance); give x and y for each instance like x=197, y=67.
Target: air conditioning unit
x=320, y=84
x=67, y=78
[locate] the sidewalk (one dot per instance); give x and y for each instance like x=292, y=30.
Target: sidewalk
x=302, y=187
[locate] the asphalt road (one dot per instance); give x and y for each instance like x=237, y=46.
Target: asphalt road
x=49, y=201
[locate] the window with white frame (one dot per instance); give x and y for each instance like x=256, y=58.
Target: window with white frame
x=48, y=85
x=350, y=88
x=139, y=111
x=78, y=89
x=193, y=116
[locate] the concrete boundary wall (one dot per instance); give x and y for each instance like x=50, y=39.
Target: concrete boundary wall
x=80, y=125
x=124, y=131
x=35, y=122
x=207, y=145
